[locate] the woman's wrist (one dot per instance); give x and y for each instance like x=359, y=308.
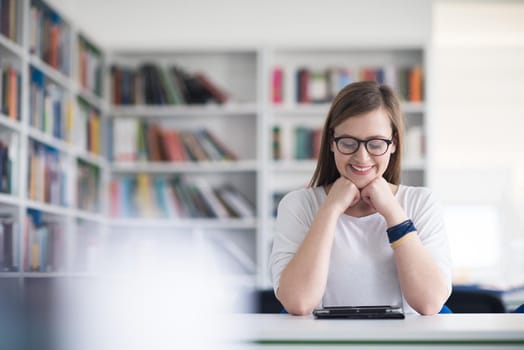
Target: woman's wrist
x=395, y=216
x=328, y=208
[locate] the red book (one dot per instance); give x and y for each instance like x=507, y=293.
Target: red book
x=173, y=146
x=303, y=86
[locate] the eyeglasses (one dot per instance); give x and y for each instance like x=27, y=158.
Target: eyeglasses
x=349, y=145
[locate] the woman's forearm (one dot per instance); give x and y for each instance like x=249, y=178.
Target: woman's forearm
x=422, y=283
x=303, y=281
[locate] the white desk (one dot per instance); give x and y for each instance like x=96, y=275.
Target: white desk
x=473, y=331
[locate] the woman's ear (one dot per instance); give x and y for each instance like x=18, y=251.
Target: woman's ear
x=394, y=145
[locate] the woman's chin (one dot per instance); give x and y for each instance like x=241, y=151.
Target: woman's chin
x=361, y=181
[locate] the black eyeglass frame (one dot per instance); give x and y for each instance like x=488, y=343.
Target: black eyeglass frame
x=365, y=142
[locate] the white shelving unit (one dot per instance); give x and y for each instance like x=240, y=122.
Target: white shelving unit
x=18, y=54
x=244, y=123
x=236, y=123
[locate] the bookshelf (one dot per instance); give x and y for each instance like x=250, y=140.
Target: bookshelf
x=172, y=174
x=116, y=116
x=53, y=147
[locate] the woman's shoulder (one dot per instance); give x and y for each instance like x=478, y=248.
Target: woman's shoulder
x=304, y=193
x=414, y=191
x=417, y=196
x=306, y=196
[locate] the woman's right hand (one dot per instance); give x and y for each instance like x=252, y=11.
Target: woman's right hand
x=342, y=194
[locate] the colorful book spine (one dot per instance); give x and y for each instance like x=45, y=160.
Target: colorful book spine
x=89, y=66
x=50, y=37
x=10, y=91
x=277, y=91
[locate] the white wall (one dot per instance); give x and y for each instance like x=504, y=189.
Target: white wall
x=119, y=24
x=477, y=129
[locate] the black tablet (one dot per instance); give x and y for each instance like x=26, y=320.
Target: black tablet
x=360, y=312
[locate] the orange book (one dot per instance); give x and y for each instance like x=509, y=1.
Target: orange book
x=54, y=38
x=94, y=133
x=415, y=84
x=13, y=95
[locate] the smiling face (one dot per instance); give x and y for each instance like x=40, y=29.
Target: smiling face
x=361, y=167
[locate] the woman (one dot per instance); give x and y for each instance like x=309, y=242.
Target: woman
x=355, y=236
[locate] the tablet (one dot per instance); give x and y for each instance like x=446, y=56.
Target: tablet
x=360, y=312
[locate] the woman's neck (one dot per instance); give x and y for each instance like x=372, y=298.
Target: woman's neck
x=360, y=209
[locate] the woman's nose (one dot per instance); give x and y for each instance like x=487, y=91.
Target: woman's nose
x=361, y=154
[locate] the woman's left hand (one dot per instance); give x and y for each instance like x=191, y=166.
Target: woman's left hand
x=379, y=195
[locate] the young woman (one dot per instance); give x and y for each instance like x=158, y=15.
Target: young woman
x=355, y=236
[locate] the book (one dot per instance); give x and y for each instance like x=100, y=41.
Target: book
x=277, y=91
x=154, y=146
x=226, y=152
x=218, y=94
x=193, y=147
x=236, y=201
x=275, y=143
x=173, y=146
x=415, y=84
x=318, y=88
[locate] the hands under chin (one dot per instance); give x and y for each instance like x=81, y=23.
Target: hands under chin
x=378, y=194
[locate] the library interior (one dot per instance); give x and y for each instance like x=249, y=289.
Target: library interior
x=145, y=147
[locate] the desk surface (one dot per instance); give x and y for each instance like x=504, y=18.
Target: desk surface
x=450, y=329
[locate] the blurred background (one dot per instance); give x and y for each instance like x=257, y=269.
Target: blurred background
x=251, y=82
x=474, y=54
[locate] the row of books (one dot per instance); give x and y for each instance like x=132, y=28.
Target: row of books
x=321, y=86
x=9, y=19
x=153, y=84
x=88, y=135
x=44, y=244
x=50, y=109
x=10, y=91
x=87, y=187
x=8, y=161
x=89, y=66
x=159, y=197
x=9, y=244
x=47, y=175
x=49, y=37
x=136, y=140
x=300, y=143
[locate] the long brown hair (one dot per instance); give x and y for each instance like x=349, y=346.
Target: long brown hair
x=353, y=100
